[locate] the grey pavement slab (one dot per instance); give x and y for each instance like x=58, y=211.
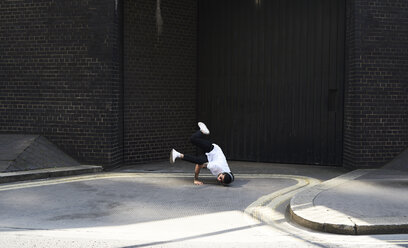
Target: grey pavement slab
x=359, y=202
x=11, y=145
x=4, y=165
x=398, y=163
x=30, y=152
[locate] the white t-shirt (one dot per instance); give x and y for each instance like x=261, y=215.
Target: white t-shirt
x=217, y=163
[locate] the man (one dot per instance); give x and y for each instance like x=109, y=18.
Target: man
x=214, y=159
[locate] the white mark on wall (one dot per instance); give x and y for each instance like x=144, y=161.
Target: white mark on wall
x=116, y=6
x=159, y=20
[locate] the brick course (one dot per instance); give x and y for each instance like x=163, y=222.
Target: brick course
x=376, y=97
x=160, y=78
x=60, y=75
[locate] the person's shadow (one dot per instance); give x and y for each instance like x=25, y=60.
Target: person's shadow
x=237, y=183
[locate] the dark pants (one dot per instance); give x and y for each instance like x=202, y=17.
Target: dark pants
x=198, y=140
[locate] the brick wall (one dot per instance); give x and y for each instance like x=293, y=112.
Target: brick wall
x=60, y=75
x=160, y=60
x=376, y=96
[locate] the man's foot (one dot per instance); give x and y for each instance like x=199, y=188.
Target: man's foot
x=203, y=128
x=173, y=155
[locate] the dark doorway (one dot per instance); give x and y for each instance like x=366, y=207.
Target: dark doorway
x=271, y=76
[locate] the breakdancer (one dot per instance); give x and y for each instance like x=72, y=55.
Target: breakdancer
x=213, y=159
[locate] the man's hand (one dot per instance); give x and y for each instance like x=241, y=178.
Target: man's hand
x=197, y=182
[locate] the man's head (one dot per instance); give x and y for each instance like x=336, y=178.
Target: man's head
x=225, y=178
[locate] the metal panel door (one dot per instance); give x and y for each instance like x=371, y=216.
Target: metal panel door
x=270, y=78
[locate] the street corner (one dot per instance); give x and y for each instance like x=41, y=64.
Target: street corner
x=352, y=204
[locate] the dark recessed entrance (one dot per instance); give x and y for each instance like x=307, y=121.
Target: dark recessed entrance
x=271, y=76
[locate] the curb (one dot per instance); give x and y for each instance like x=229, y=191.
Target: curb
x=303, y=211
x=9, y=177
x=263, y=209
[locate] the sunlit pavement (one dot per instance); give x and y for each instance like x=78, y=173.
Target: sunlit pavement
x=135, y=209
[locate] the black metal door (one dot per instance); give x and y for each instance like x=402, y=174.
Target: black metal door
x=271, y=78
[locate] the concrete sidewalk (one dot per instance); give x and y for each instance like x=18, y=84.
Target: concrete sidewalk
x=8, y=177
x=359, y=202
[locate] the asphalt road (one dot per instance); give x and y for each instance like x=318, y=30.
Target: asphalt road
x=132, y=208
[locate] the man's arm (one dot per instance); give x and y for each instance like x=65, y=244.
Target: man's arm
x=197, y=172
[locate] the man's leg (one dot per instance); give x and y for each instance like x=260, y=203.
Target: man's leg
x=190, y=158
x=194, y=159
x=198, y=140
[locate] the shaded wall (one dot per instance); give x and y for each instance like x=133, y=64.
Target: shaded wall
x=63, y=76
x=376, y=95
x=160, y=64
x=60, y=75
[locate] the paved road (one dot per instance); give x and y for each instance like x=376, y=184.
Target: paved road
x=133, y=209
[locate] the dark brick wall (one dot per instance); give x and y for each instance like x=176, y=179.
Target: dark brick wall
x=160, y=64
x=60, y=75
x=376, y=96
x=64, y=75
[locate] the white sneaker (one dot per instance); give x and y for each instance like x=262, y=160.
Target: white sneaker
x=203, y=128
x=173, y=155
